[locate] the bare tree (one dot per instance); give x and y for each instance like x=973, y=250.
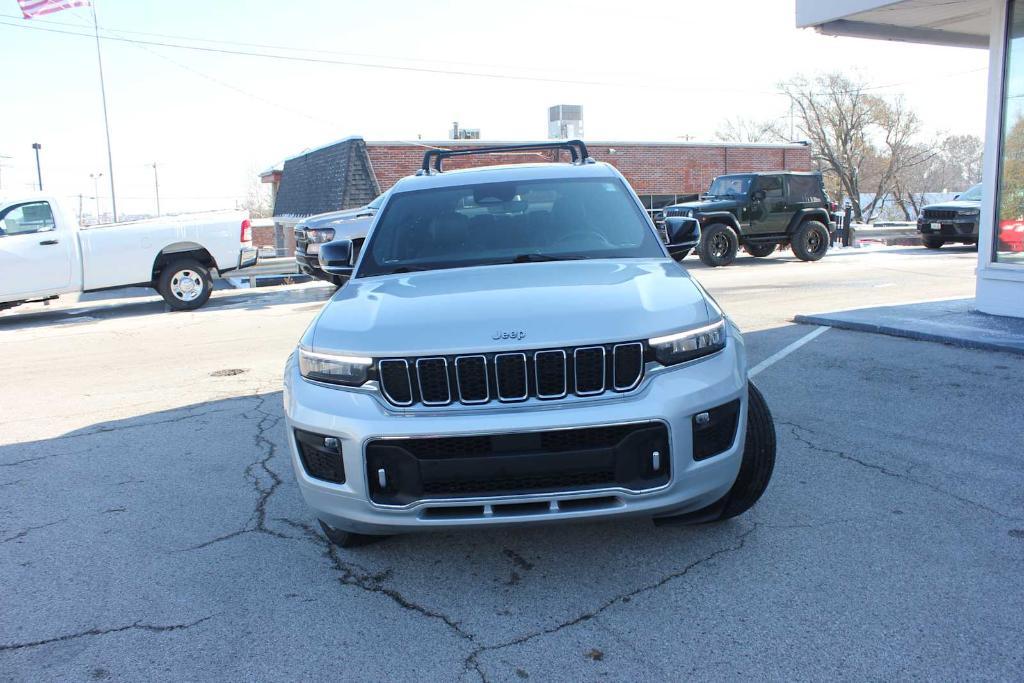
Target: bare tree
x=899, y=154
x=835, y=113
x=257, y=197
x=750, y=130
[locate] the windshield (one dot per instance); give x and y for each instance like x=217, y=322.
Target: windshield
x=973, y=194
x=508, y=222
x=730, y=186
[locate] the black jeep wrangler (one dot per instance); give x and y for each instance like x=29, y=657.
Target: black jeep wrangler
x=761, y=211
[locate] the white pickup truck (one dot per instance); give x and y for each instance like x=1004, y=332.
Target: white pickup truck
x=45, y=253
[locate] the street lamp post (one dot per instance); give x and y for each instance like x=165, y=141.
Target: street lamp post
x=156, y=182
x=96, y=192
x=39, y=171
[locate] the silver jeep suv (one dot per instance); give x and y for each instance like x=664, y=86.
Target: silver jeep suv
x=516, y=345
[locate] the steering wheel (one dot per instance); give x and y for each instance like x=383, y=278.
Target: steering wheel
x=585, y=236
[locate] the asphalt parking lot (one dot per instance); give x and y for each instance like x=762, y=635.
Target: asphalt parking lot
x=150, y=527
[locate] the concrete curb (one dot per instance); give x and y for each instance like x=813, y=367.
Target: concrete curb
x=906, y=333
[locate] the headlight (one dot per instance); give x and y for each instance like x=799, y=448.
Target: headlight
x=321, y=367
x=321, y=235
x=689, y=344
x=970, y=212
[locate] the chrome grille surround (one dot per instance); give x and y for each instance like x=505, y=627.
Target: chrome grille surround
x=526, y=378
x=474, y=379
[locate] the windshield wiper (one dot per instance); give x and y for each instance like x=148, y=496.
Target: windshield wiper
x=535, y=257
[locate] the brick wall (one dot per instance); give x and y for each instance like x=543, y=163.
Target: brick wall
x=649, y=168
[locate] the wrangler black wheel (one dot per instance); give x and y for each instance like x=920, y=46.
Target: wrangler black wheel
x=759, y=250
x=810, y=242
x=718, y=245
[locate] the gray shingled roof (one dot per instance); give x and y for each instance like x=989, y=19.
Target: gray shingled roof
x=330, y=178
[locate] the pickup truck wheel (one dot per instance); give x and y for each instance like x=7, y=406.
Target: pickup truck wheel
x=758, y=457
x=346, y=539
x=932, y=242
x=185, y=284
x=717, y=246
x=760, y=250
x=810, y=241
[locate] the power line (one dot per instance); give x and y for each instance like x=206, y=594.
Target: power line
x=287, y=48
x=385, y=67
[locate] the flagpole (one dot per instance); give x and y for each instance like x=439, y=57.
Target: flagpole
x=106, y=122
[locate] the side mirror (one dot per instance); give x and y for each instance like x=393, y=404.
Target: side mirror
x=956, y=196
x=759, y=195
x=683, y=234
x=336, y=258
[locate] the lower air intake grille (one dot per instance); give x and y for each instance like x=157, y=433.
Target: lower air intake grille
x=630, y=456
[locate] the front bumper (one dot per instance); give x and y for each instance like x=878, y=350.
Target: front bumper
x=667, y=396
x=951, y=230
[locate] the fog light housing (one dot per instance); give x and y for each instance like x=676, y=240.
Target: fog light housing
x=714, y=430
x=321, y=456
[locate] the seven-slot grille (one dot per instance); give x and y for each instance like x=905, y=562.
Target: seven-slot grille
x=511, y=376
x=939, y=215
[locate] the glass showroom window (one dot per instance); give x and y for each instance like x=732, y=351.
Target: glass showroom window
x=1009, y=224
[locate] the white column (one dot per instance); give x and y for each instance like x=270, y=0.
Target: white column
x=1000, y=286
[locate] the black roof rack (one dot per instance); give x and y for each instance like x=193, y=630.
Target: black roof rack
x=576, y=148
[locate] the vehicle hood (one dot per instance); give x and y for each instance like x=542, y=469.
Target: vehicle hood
x=955, y=204
x=524, y=305
x=710, y=205
x=326, y=220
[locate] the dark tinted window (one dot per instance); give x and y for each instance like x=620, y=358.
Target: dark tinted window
x=771, y=184
x=496, y=222
x=804, y=188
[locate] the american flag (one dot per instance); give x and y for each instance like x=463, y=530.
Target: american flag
x=37, y=8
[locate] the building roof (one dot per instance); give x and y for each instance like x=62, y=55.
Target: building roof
x=962, y=23
x=329, y=178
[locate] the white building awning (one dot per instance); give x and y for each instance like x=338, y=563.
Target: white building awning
x=960, y=23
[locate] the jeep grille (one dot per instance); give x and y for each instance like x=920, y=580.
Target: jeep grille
x=510, y=377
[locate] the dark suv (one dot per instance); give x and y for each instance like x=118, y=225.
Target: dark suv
x=313, y=231
x=761, y=211
x=954, y=222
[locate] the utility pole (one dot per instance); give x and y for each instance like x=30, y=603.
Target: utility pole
x=79, y=208
x=39, y=171
x=156, y=182
x=106, y=121
x=96, y=192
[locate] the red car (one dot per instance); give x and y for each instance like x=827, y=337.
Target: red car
x=1011, y=236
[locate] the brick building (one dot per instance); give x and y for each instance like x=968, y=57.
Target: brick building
x=350, y=172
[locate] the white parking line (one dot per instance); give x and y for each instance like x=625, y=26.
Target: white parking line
x=776, y=357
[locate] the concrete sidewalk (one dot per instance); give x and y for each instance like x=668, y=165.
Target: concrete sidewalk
x=952, y=321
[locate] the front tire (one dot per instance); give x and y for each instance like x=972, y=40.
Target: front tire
x=759, y=250
x=755, y=468
x=718, y=245
x=930, y=242
x=810, y=241
x=185, y=284
x=346, y=539
x=758, y=457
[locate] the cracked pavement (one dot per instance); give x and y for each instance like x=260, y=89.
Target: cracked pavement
x=150, y=527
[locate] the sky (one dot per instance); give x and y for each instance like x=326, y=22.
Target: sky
x=643, y=70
